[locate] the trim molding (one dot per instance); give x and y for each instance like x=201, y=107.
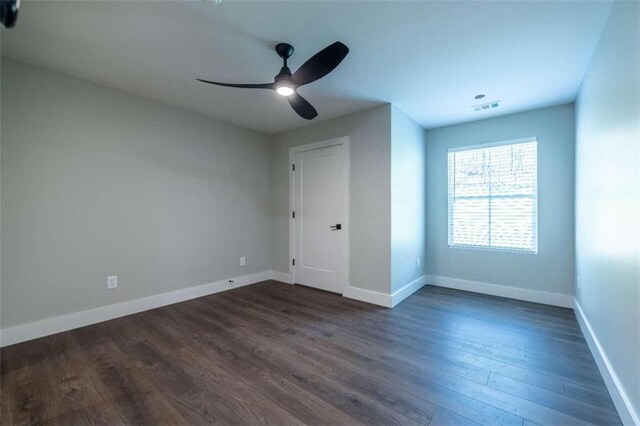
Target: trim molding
x=620, y=398
x=406, y=291
x=280, y=276
x=547, y=298
x=369, y=296
x=385, y=299
x=36, y=329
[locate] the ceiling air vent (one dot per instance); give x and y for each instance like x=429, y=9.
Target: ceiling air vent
x=488, y=105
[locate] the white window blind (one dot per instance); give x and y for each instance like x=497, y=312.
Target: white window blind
x=493, y=196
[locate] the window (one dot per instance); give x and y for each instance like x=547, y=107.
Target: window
x=493, y=196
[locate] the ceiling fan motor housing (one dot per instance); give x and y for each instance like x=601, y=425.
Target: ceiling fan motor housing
x=284, y=74
x=284, y=50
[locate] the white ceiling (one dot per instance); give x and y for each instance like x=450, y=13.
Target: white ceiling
x=428, y=58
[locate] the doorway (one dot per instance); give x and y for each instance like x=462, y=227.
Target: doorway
x=319, y=214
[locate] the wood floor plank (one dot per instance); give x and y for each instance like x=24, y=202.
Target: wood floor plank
x=487, y=326
x=356, y=400
x=451, y=323
x=74, y=383
x=508, y=402
x=424, y=342
x=266, y=378
x=273, y=353
x=444, y=417
x=407, y=379
x=554, y=400
x=598, y=397
x=214, y=354
x=342, y=372
x=190, y=398
x=408, y=354
x=133, y=394
x=550, y=413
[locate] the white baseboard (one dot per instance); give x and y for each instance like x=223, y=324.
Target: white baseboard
x=36, y=329
x=616, y=390
x=369, y=296
x=280, y=276
x=406, y=291
x=547, y=298
x=385, y=299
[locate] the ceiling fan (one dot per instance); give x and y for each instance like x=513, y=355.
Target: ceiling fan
x=286, y=83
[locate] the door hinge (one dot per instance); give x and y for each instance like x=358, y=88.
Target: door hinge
x=293, y=262
x=293, y=215
x=293, y=167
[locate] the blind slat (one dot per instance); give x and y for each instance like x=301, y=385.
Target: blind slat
x=493, y=197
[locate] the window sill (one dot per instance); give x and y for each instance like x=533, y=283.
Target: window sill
x=492, y=249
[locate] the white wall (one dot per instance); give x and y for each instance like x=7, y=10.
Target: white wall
x=552, y=269
x=607, y=197
x=96, y=182
x=408, y=215
x=369, y=135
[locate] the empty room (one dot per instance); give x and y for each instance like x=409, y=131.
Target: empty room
x=320, y=212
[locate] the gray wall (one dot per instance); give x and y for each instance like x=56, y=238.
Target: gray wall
x=608, y=192
x=96, y=182
x=552, y=269
x=408, y=215
x=369, y=190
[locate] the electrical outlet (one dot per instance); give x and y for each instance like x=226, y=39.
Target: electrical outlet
x=579, y=281
x=112, y=282
x=243, y=261
x=418, y=262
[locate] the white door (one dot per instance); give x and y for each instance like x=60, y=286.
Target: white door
x=319, y=234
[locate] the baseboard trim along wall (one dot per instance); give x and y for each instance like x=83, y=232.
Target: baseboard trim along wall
x=616, y=390
x=369, y=296
x=36, y=329
x=385, y=299
x=406, y=291
x=547, y=298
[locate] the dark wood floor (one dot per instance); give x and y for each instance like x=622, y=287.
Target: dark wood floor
x=273, y=353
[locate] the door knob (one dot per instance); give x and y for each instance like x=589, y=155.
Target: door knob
x=336, y=227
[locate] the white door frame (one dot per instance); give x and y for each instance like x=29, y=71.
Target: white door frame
x=344, y=141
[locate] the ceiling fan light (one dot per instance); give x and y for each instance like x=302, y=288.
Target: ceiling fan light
x=285, y=90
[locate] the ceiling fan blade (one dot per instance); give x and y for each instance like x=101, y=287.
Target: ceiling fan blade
x=320, y=64
x=241, y=86
x=302, y=106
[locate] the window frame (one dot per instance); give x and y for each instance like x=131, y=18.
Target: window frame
x=451, y=245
